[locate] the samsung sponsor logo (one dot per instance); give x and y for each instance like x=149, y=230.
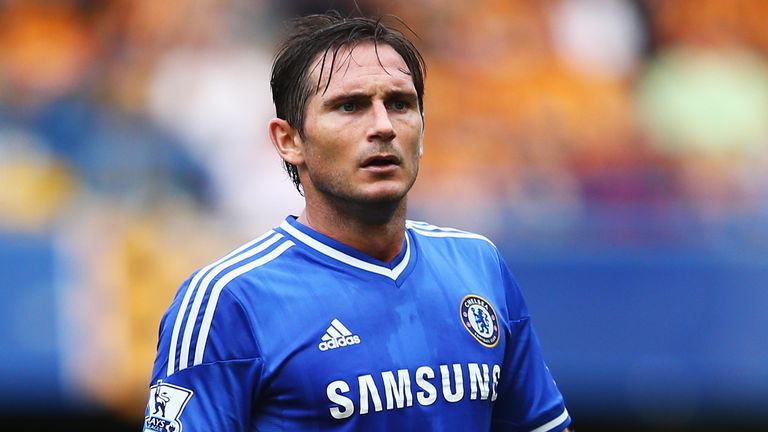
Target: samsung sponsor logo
x=404, y=387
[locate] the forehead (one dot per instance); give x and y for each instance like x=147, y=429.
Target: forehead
x=360, y=65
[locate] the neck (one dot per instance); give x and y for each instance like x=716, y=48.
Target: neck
x=377, y=230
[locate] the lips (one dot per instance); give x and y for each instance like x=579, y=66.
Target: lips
x=380, y=161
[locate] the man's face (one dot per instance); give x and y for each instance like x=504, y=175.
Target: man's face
x=363, y=135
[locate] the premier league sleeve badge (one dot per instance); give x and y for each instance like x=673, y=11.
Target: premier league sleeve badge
x=166, y=402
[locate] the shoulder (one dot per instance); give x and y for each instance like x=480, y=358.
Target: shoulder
x=201, y=292
x=208, y=306
x=446, y=234
x=451, y=240
x=264, y=252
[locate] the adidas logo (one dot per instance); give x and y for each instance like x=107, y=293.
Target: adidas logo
x=337, y=336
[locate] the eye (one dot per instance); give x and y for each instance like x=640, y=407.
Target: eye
x=348, y=107
x=399, y=105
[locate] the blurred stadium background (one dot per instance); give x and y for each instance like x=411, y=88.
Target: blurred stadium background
x=615, y=150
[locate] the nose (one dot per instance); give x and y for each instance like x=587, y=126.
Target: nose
x=381, y=124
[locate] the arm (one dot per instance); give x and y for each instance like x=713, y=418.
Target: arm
x=528, y=396
x=216, y=392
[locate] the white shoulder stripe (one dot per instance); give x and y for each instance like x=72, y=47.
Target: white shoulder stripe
x=188, y=294
x=347, y=259
x=205, y=327
x=554, y=423
x=202, y=290
x=429, y=227
x=452, y=234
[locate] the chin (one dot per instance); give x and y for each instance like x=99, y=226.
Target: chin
x=384, y=194
x=391, y=199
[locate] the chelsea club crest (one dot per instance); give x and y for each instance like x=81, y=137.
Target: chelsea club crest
x=480, y=320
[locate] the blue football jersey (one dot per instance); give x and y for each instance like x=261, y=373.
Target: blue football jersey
x=295, y=331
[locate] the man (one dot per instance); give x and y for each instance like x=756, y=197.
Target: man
x=349, y=317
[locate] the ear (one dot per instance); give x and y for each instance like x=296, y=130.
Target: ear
x=421, y=137
x=287, y=141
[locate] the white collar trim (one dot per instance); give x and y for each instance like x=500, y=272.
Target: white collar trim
x=350, y=260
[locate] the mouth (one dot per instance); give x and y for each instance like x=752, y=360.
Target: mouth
x=380, y=162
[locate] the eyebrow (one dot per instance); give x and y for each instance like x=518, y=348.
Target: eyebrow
x=358, y=96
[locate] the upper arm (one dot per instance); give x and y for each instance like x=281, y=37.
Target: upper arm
x=218, y=383
x=528, y=396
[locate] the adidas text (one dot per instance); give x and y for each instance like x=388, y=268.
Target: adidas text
x=339, y=342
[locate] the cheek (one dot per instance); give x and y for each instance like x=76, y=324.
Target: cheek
x=412, y=135
x=325, y=151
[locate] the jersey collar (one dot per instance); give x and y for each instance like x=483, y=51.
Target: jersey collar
x=345, y=254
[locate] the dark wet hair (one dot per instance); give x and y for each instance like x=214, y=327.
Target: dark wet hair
x=314, y=35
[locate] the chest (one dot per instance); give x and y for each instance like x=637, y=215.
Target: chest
x=348, y=345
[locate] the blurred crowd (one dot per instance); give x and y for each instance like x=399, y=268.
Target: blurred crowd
x=133, y=133
x=597, y=120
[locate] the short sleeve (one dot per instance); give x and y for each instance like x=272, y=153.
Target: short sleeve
x=218, y=391
x=529, y=399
